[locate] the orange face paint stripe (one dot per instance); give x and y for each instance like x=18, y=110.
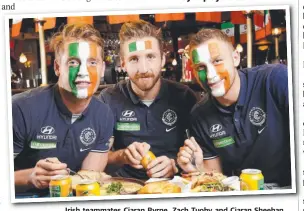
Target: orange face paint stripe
x=223, y=74
x=213, y=50
x=93, y=72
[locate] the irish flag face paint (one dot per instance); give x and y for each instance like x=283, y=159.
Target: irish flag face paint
x=140, y=45
x=214, y=71
x=83, y=72
x=202, y=75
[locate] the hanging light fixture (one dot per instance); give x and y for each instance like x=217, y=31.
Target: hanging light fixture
x=22, y=58
x=239, y=48
x=174, y=62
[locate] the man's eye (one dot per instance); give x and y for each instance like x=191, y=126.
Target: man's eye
x=217, y=61
x=150, y=56
x=201, y=68
x=93, y=63
x=134, y=59
x=73, y=63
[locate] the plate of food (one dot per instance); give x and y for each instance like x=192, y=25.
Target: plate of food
x=207, y=182
x=120, y=186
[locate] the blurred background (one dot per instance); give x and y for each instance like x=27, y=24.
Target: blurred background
x=259, y=36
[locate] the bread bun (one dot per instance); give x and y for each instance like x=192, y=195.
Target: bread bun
x=160, y=188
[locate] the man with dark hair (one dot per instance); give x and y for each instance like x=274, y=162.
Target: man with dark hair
x=244, y=123
x=63, y=125
x=150, y=113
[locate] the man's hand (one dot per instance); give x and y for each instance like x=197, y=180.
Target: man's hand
x=44, y=170
x=162, y=167
x=134, y=153
x=191, y=150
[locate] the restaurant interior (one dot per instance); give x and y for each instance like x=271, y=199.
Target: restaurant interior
x=258, y=35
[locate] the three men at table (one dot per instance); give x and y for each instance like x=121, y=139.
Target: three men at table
x=244, y=123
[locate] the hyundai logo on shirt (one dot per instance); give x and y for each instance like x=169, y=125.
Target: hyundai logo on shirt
x=128, y=116
x=128, y=113
x=48, y=130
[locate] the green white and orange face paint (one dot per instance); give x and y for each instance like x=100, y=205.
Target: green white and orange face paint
x=213, y=73
x=140, y=45
x=83, y=71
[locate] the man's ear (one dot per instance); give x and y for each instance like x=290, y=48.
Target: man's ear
x=163, y=60
x=56, y=68
x=102, y=69
x=122, y=63
x=236, y=58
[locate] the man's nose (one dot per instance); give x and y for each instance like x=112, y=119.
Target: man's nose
x=211, y=72
x=83, y=71
x=143, y=66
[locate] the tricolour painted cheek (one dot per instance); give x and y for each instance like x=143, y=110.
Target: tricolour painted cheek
x=93, y=70
x=73, y=72
x=223, y=74
x=93, y=74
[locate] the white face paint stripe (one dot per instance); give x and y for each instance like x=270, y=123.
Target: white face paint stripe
x=82, y=93
x=140, y=45
x=212, y=76
x=204, y=55
x=84, y=53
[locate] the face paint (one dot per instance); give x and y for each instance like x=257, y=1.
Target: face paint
x=84, y=71
x=140, y=45
x=223, y=74
x=215, y=71
x=202, y=75
x=197, y=56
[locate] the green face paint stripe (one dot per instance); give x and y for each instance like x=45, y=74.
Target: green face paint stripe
x=73, y=71
x=202, y=75
x=195, y=56
x=73, y=50
x=132, y=47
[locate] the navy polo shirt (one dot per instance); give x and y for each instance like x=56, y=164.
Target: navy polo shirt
x=162, y=124
x=254, y=132
x=42, y=128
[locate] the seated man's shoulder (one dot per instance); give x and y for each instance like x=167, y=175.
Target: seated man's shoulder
x=36, y=96
x=203, y=108
x=267, y=70
x=178, y=89
x=114, y=90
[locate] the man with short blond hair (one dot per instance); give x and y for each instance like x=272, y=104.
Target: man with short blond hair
x=244, y=123
x=150, y=113
x=63, y=125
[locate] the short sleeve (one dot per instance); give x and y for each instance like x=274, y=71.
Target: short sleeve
x=106, y=132
x=197, y=131
x=19, y=128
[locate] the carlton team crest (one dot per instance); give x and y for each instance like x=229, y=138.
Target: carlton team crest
x=87, y=136
x=169, y=117
x=257, y=116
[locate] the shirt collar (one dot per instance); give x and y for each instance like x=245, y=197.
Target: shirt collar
x=162, y=92
x=62, y=107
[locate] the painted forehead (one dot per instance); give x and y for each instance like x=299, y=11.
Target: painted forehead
x=140, y=45
x=205, y=52
x=83, y=49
